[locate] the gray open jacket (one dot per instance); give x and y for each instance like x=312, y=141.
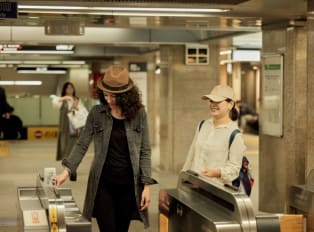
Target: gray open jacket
x=98, y=127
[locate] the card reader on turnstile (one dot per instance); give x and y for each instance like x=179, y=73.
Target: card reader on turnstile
x=45, y=208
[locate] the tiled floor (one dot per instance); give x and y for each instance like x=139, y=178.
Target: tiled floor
x=25, y=159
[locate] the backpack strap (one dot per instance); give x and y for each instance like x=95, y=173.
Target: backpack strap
x=232, y=136
x=201, y=124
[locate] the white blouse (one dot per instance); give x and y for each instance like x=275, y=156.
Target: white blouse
x=209, y=150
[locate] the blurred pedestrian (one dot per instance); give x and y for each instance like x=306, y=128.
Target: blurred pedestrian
x=67, y=136
x=11, y=126
x=5, y=108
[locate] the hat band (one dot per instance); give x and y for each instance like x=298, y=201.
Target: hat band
x=119, y=88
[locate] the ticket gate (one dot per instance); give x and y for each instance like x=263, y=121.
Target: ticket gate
x=44, y=208
x=201, y=204
x=301, y=200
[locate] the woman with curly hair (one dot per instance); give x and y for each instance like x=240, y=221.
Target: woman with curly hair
x=120, y=174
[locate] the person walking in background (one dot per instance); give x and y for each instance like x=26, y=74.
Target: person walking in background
x=209, y=154
x=120, y=174
x=67, y=137
x=5, y=108
x=11, y=126
x=248, y=118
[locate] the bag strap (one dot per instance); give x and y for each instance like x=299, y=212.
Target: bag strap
x=231, y=138
x=201, y=124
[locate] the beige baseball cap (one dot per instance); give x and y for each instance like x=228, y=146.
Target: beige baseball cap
x=220, y=93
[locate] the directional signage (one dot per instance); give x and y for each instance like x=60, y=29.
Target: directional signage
x=8, y=10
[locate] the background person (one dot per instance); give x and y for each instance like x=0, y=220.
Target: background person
x=248, y=118
x=120, y=174
x=11, y=126
x=67, y=137
x=5, y=108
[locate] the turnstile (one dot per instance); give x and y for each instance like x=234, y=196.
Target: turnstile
x=301, y=200
x=204, y=205
x=44, y=208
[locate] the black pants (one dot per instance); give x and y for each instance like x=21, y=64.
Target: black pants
x=114, y=206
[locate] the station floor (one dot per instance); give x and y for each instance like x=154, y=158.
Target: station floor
x=21, y=161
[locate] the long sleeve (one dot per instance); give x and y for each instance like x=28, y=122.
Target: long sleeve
x=232, y=166
x=191, y=154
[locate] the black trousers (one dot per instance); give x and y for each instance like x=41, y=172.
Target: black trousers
x=114, y=206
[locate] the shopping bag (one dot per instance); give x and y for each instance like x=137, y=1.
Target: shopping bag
x=78, y=117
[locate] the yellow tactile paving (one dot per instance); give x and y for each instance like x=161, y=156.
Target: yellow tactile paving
x=4, y=148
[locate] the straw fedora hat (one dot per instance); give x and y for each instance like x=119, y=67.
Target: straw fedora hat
x=116, y=80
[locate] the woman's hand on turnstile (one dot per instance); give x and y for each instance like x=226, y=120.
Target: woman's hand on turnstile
x=62, y=177
x=211, y=173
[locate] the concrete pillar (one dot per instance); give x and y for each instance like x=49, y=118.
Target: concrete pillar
x=282, y=159
x=79, y=77
x=310, y=94
x=181, y=107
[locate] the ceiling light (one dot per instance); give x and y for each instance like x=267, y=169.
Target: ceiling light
x=41, y=70
x=134, y=9
x=20, y=82
x=130, y=11
x=73, y=62
x=10, y=62
x=36, y=52
x=41, y=62
x=225, y=52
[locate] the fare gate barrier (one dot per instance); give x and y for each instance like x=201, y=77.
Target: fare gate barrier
x=201, y=204
x=301, y=200
x=44, y=208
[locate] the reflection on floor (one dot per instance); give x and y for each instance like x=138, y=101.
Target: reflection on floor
x=21, y=161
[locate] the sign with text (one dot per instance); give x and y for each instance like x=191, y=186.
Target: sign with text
x=8, y=10
x=42, y=133
x=272, y=95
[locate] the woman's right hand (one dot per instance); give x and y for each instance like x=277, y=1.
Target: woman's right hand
x=66, y=98
x=61, y=178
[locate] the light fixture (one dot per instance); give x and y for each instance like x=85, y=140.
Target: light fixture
x=36, y=52
x=41, y=70
x=225, y=52
x=78, y=62
x=134, y=11
x=20, y=82
x=41, y=62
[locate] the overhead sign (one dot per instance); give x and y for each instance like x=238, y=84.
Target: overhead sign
x=8, y=10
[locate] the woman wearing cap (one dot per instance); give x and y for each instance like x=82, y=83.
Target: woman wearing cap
x=120, y=174
x=209, y=153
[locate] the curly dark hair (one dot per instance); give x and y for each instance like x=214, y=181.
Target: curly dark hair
x=129, y=102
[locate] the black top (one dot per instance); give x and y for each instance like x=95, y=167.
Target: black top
x=117, y=167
